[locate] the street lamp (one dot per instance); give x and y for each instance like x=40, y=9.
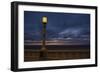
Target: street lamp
x=44, y=20
x=43, y=53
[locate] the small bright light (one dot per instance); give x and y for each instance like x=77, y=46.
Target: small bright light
x=44, y=20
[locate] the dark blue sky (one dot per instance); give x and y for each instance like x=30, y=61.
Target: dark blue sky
x=59, y=26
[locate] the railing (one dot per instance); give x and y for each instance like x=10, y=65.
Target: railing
x=31, y=55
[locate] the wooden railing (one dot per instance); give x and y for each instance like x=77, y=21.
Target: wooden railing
x=31, y=55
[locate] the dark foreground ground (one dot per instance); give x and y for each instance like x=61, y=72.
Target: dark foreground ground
x=57, y=52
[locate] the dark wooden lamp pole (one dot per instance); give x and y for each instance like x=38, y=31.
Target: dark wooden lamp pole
x=43, y=52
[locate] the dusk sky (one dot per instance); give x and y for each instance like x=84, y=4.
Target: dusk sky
x=63, y=26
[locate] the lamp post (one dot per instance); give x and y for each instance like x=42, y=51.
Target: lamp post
x=43, y=52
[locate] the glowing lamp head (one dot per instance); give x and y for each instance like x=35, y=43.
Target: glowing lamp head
x=44, y=20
